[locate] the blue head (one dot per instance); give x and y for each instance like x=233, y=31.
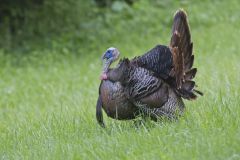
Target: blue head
x=109, y=56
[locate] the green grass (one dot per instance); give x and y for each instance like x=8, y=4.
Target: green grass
x=47, y=104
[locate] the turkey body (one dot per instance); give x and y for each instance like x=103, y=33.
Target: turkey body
x=123, y=102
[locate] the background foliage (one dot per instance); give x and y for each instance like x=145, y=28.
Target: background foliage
x=49, y=68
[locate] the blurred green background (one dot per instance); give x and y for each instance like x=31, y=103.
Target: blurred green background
x=50, y=65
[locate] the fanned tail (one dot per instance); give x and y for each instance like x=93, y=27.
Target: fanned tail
x=181, y=47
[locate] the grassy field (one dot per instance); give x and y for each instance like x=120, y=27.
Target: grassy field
x=47, y=104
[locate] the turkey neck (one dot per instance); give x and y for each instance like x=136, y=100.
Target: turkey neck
x=121, y=75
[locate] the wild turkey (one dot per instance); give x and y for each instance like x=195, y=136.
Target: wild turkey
x=169, y=67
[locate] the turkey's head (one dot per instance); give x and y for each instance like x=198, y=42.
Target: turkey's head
x=108, y=58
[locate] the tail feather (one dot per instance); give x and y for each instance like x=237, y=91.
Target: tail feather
x=188, y=85
x=189, y=64
x=198, y=92
x=187, y=95
x=190, y=74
